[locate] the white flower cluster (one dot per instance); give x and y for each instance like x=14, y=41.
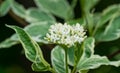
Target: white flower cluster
x=66, y=34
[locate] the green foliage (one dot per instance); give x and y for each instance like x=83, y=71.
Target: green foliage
x=88, y=4
x=112, y=31
x=36, y=30
x=18, y=9
x=35, y=15
x=101, y=27
x=32, y=50
x=58, y=59
x=4, y=8
x=55, y=7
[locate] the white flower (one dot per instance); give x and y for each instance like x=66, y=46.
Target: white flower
x=65, y=34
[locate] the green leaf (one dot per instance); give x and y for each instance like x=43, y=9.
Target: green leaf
x=86, y=5
x=93, y=62
x=88, y=59
x=58, y=59
x=74, y=21
x=89, y=45
x=106, y=15
x=8, y=43
x=60, y=8
x=103, y=69
x=111, y=32
x=35, y=15
x=18, y=9
x=71, y=53
x=36, y=30
x=40, y=64
x=4, y=8
x=32, y=49
x=115, y=63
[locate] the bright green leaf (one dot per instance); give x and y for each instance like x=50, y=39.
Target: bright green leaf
x=35, y=15
x=60, y=8
x=4, y=8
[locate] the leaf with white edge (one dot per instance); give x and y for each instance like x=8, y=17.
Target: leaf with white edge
x=88, y=59
x=108, y=14
x=32, y=49
x=115, y=63
x=18, y=9
x=111, y=32
x=37, y=31
x=36, y=15
x=60, y=8
x=88, y=46
x=40, y=64
x=8, y=43
x=58, y=59
x=4, y=8
x=93, y=62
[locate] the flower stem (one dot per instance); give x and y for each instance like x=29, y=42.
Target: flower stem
x=52, y=70
x=66, y=60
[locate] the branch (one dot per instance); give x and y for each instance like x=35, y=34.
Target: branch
x=18, y=19
x=113, y=54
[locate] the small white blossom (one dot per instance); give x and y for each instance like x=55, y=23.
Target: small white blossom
x=65, y=34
